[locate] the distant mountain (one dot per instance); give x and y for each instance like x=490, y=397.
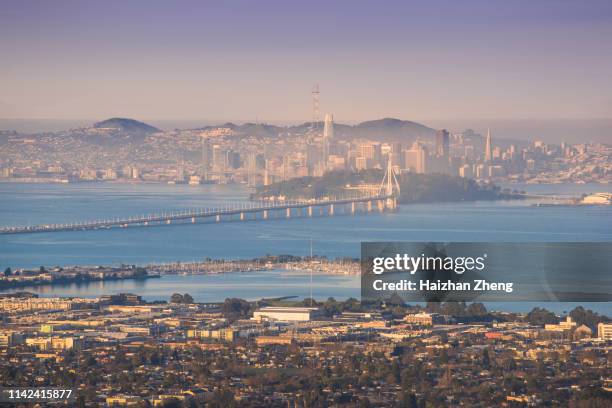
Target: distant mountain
x=388, y=130
x=393, y=130
x=259, y=129
x=124, y=125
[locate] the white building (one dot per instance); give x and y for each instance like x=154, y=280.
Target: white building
x=604, y=331
x=286, y=314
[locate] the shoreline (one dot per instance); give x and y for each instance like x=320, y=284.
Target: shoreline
x=69, y=281
x=288, y=265
x=40, y=180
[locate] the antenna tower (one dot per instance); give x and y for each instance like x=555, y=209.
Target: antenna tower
x=315, y=106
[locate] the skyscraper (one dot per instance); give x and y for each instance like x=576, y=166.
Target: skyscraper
x=372, y=153
x=219, y=158
x=328, y=135
x=488, y=148
x=180, y=171
x=421, y=156
x=206, y=153
x=328, y=130
x=442, y=143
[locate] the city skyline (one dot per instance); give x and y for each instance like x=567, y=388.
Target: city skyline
x=477, y=60
x=305, y=204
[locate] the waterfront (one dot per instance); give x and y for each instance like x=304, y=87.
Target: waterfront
x=245, y=285
x=501, y=221
x=254, y=286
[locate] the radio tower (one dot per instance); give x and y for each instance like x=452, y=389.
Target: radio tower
x=315, y=106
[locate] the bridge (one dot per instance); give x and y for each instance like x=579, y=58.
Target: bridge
x=383, y=200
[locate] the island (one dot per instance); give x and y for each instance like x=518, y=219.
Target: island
x=415, y=188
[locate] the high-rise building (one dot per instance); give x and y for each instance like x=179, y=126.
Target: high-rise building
x=180, y=171
x=465, y=171
x=372, y=152
x=410, y=160
x=361, y=163
x=219, y=159
x=232, y=160
x=313, y=154
x=421, y=164
x=397, y=158
x=442, y=143
x=488, y=148
x=512, y=152
x=328, y=135
x=251, y=165
x=328, y=129
x=206, y=153
x=479, y=171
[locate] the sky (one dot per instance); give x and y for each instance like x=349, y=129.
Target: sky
x=258, y=60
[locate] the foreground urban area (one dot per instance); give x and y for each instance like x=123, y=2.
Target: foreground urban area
x=119, y=350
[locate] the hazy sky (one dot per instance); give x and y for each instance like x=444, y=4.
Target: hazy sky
x=247, y=60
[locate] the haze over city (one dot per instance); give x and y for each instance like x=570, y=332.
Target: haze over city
x=305, y=204
x=443, y=63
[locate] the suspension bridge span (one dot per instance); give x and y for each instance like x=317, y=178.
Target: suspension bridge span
x=384, y=199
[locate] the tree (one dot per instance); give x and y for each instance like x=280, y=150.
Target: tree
x=587, y=317
x=351, y=304
x=433, y=307
x=476, y=309
x=331, y=307
x=395, y=300
x=540, y=316
x=454, y=308
x=223, y=398
x=8, y=272
x=171, y=403
x=234, y=308
x=178, y=298
x=309, y=301
x=409, y=400
x=486, y=360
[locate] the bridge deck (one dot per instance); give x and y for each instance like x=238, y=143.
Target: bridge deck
x=186, y=215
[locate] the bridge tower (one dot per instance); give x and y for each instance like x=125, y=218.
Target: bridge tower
x=389, y=186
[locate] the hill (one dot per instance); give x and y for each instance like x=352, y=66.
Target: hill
x=415, y=188
x=393, y=130
x=126, y=126
x=385, y=130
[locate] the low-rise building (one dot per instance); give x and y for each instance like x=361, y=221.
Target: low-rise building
x=568, y=324
x=54, y=343
x=225, y=334
x=604, y=331
x=271, y=340
x=286, y=314
x=10, y=338
x=424, y=319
